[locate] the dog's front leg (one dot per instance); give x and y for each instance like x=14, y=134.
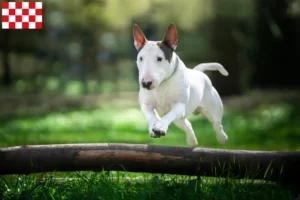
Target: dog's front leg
x=177, y=112
x=149, y=114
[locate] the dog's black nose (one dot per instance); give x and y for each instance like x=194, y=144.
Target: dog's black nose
x=146, y=84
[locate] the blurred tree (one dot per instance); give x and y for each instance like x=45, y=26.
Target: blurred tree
x=278, y=30
x=6, y=76
x=229, y=27
x=13, y=42
x=222, y=31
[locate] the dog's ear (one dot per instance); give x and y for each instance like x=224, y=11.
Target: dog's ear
x=139, y=37
x=171, y=39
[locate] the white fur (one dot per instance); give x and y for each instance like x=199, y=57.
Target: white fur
x=176, y=93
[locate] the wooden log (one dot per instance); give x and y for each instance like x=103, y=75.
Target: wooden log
x=267, y=165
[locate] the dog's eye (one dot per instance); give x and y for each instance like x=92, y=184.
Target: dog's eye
x=141, y=58
x=159, y=58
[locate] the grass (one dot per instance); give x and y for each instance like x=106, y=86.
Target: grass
x=268, y=127
x=105, y=185
x=273, y=127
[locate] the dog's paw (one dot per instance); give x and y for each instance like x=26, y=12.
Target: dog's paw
x=160, y=129
x=222, y=138
x=192, y=142
x=152, y=134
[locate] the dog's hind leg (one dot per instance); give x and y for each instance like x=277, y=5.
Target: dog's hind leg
x=216, y=121
x=186, y=126
x=213, y=110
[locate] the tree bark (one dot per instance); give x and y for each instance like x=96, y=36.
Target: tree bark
x=267, y=165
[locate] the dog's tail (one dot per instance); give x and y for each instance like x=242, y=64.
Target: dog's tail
x=211, y=66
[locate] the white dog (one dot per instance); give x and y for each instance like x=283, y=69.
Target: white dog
x=168, y=87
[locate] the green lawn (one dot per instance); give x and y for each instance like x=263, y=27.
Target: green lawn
x=273, y=127
x=269, y=127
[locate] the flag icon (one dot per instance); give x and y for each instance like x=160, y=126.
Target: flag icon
x=22, y=15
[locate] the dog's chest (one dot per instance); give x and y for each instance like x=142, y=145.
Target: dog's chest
x=163, y=104
x=164, y=99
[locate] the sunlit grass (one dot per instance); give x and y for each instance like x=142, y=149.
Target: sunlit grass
x=268, y=128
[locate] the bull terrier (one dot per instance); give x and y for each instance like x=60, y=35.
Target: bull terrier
x=170, y=92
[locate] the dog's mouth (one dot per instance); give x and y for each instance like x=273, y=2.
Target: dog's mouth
x=148, y=88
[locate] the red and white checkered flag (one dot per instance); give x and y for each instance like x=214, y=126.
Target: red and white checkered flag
x=22, y=15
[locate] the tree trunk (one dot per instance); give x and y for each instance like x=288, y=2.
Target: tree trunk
x=225, y=50
x=267, y=165
x=277, y=32
x=6, y=77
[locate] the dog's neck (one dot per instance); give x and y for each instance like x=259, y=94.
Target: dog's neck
x=176, y=60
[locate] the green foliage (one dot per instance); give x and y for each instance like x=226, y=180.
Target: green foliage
x=80, y=13
x=186, y=15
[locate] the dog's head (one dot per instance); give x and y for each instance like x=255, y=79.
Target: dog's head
x=154, y=59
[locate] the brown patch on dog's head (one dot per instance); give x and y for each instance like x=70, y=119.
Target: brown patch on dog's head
x=171, y=37
x=169, y=42
x=168, y=52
